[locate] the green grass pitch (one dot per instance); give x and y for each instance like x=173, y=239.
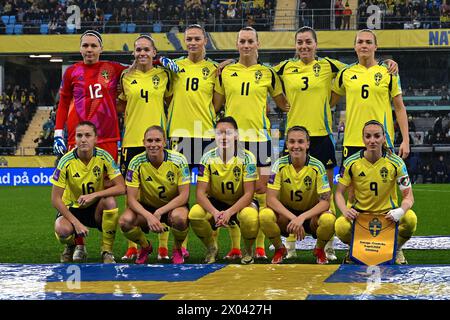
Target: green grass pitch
x=27, y=236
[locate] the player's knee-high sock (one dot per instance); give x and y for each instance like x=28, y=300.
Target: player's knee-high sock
x=69, y=240
x=343, y=228
x=260, y=239
x=109, y=226
x=406, y=228
x=249, y=224
x=268, y=224
x=235, y=235
x=199, y=222
x=163, y=238
x=179, y=236
x=185, y=241
x=325, y=230
x=136, y=235
x=131, y=244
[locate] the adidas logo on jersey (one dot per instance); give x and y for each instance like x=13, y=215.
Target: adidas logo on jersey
x=354, y=77
x=330, y=162
x=76, y=175
x=295, y=70
x=149, y=179
x=362, y=174
x=134, y=81
x=182, y=70
x=234, y=74
x=216, y=173
x=287, y=180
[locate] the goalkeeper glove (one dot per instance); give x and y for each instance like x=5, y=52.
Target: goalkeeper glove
x=397, y=214
x=59, y=145
x=166, y=63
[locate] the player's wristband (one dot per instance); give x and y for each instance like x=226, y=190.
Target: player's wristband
x=397, y=214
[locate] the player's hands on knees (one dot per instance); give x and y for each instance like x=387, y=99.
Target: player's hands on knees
x=224, y=219
x=86, y=199
x=157, y=214
x=80, y=229
x=154, y=224
x=350, y=214
x=395, y=214
x=296, y=227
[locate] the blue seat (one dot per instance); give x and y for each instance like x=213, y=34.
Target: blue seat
x=123, y=28
x=5, y=20
x=12, y=19
x=131, y=27
x=107, y=17
x=157, y=27
x=9, y=29
x=44, y=28
x=18, y=28
x=70, y=28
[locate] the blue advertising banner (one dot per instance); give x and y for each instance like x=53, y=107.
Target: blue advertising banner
x=25, y=176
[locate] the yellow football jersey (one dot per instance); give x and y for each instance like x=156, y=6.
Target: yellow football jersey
x=158, y=186
x=245, y=90
x=144, y=93
x=79, y=179
x=191, y=112
x=226, y=180
x=308, y=90
x=299, y=190
x=375, y=184
x=368, y=94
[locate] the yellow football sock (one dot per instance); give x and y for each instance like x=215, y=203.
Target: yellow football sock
x=260, y=239
x=70, y=240
x=343, y=228
x=235, y=235
x=268, y=224
x=407, y=227
x=163, y=238
x=109, y=226
x=199, y=221
x=185, y=241
x=325, y=230
x=137, y=236
x=131, y=244
x=179, y=236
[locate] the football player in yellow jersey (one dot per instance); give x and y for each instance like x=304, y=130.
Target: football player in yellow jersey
x=243, y=88
x=80, y=196
x=191, y=115
x=298, y=198
x=369, y=88
x=374, y=174
x=158, y=191
x=226, y=183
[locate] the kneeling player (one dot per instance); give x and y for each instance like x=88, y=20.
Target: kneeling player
x=157, y=191
x=226, y=183
x=298, y=198
x=80, y=197
x=374, y=174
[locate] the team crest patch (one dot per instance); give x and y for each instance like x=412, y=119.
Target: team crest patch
x=308, y=182
x=272, y=178
x=375, y=227
x=205, y=73
x=378, y=76
x=155, y=81
x=237, y=173
x=186, y=171
x=105, y=75
x=129, y=176
x=251, y=169
x=96, y=171
x=258, y=76
x=384, y=173
x=171, y=177
x=56, y=174
x=316, y=69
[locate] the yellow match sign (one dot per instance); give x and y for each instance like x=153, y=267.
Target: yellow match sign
x=374, y=240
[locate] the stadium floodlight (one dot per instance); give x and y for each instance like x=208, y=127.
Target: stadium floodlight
x=56, y=60
x=40, y=55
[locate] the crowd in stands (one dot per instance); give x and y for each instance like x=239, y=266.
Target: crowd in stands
x=45, y=140
x=109, y=16
x=17, y=107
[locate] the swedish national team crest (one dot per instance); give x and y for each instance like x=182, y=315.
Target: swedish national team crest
x=308, y=182
x=170, y=177
x=96, y=171
x=205, y=73
x=316, y=69
x=375, y=227
x=378, y=76
x=258, y=76
x=384, y=173
x=105, y=75
x=155, y=81
x=237, y=173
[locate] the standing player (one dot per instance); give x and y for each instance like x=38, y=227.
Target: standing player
x=374, y=173
x=243, y=88
x=158, y=191
x=298, y=198
x=369, y=88
x=226, y=183
x=80, y=197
